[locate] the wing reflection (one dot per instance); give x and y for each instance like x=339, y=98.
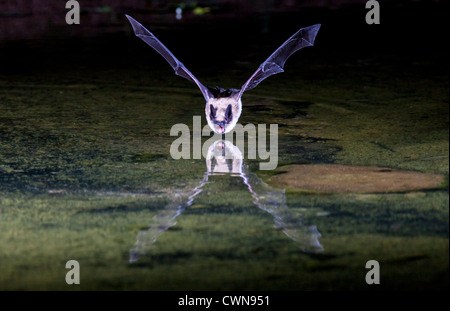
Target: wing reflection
x=164, y=220
x=225, y=158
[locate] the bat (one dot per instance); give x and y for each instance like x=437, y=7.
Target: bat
x=224, y=106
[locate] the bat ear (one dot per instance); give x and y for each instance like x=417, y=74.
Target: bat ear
x=228, y=113
x=213, y=111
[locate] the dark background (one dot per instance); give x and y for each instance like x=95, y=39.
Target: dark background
x=35, y=38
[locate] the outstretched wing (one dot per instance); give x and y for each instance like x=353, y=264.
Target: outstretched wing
x=141, y=32
x=274, y=64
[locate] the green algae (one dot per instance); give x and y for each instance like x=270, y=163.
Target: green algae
x=213, y=250
x=85, y=166
x=385, y=119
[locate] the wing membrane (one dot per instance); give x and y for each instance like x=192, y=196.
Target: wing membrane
x=180, y=70
x=274, y=64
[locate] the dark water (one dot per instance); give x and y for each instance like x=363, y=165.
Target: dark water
x=86, y=171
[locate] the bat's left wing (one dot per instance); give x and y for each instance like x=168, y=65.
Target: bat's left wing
x=274, y=64
x=141, y=32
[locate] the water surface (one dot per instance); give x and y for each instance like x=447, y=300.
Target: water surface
x=86, y=174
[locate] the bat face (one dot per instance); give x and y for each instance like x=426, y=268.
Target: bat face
x=223, y=113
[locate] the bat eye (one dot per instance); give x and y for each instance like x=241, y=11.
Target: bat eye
x=213, y=112
x=228, y=113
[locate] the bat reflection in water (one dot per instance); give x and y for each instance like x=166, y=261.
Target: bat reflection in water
x=224, y=106
x=225, y=158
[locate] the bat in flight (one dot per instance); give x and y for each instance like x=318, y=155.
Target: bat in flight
x=224, y=106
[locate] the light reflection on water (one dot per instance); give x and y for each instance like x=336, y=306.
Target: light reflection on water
x=225, y=158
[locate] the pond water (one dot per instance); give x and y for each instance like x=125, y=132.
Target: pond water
x=86, y=173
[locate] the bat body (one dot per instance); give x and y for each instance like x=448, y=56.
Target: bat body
x=224, y=106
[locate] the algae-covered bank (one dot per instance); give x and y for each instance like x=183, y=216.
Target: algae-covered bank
x=87, y=174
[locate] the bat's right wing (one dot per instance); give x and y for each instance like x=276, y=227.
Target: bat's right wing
x=141, y=32
x=274, y=64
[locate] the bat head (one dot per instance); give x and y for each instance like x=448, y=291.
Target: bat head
x=223, y=113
